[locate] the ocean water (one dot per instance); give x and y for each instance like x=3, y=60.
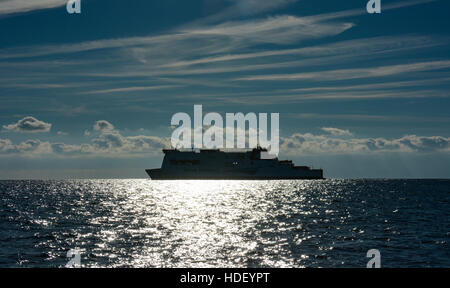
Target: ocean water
x=144, y=223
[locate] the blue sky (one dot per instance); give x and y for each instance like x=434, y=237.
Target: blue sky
x=92, y=95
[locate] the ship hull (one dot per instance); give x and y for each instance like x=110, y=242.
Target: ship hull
x=159, y=174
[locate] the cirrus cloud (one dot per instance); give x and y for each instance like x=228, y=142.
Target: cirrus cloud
x=15, y=6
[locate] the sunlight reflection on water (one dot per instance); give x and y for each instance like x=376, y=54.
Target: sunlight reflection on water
x=144, y=223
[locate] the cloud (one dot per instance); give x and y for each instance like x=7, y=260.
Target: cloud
x=267, y=98
x=363, y=11
x=245, y=8
x=33, y=145
x=239, y=7
x=28, y=147
x=28, y=124
x=146, y=143
x=371, y=117
x=69, y=149
x=277, y=30
x=214, y=48
x=109, y=140
x=225, y=61
x=370, y=87
x=425, y=144
x=103, y=125
x=6, y=145
x=306, y=27
x=198, y=40
x=348, y=74
x=251, y=7
x=111, y=143
x=354, y=47
x=130, y=89
x=337, y=131
x=324, y=144
x=15, y=6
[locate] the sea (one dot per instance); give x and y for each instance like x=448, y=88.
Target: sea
x=301, y=223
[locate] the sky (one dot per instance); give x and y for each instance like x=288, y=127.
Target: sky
x=91, y=95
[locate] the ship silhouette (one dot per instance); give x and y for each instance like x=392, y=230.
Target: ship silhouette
x=215, y=164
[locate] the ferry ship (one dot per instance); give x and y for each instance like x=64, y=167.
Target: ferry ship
x=215, y=164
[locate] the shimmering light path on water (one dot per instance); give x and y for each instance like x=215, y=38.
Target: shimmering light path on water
x=144, y=223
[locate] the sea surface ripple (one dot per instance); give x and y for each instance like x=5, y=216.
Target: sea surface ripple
x=144, y=223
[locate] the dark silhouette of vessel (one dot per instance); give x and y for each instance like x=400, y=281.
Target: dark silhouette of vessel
x=215, y=164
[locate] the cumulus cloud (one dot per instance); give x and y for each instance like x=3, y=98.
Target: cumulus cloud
x=337, y=131
x=31, y=146
x=111, y=143
x=108, y=143
x=329, y=144
x=62, y=148
x=145, y=143
x=6, y=145
x=109, y=140
x=433, y=143
x=29, y=124
x=103, y=125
